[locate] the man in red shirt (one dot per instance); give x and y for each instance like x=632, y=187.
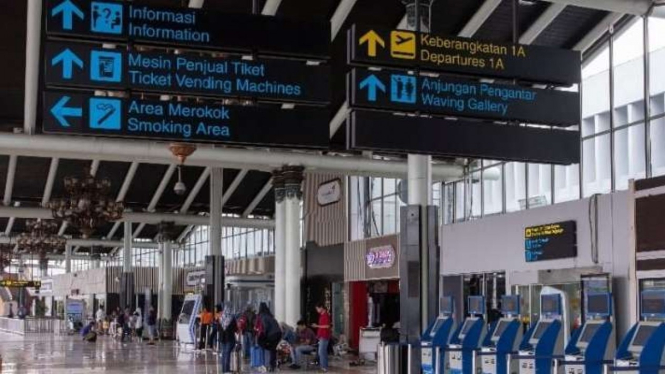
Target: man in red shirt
x=323, y=334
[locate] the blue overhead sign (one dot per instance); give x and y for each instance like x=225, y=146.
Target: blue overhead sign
x=186, y=27
x=449, y=96
x=66, y=113
x=81, y=65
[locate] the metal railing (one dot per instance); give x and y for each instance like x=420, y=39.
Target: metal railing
x=33, y=326
x=12, y=325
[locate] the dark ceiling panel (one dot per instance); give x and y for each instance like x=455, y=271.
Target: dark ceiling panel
x=3, y=223
x=146, y=181
x=148, y=232
x=170, y=201
x=570, y=27
x=498, y=27
x=12, y=75
x=307, y=9
x=450, y=16
x=30, y=178
x=251, y=185
x=267, y=206
x=203, y=198
x=115, y=172
x=232, y=6
x=4, y=165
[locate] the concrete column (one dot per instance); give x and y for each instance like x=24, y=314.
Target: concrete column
x=160, y=280
x=43, y=267
x=127, y=248
x=127, y=276
x=167, y=277
x=280, y=259
x=32, y=61
x=68, y=258
x=293, y=177
x=420, y=193
x=215, y=233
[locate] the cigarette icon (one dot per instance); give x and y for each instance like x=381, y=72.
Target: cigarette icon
x=109, y=109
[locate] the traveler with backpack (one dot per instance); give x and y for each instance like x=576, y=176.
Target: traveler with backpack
x=246, y=327
x=268, y=335
x=227, y=336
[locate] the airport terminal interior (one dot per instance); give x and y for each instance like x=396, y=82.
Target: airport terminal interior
x=344, y=186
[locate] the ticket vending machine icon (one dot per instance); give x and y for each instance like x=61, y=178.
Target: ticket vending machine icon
x=106, y=66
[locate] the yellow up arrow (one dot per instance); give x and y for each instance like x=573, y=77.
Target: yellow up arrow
x=372, y=39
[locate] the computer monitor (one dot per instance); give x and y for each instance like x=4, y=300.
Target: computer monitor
x=653, y=304
x=446, y=305
x=468, y=324
x=476, y=305
x=588, y=331
x=599, y=305
x=541, y=327
x=436, y=327
x=501, y=326
x=642, y=335
x=550, y=305
x=510, y=305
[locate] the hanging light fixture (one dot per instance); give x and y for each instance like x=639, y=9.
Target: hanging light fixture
x=6, y=254
x=41, y=238
x=181, y=151
x=88, y=205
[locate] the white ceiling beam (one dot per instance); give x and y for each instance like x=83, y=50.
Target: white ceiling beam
x=198, y=4
x=477, y=20
x=541, y=23
x=9, y=183
x=195, y=190
x=634, y=7
x=10, y=222
x=598, y=31
x=50, y=180
x=129, y=177
x=234, y=186
x=270, y=7
x=339, y=16
x=156, y=196
x=255, y=159
x=95, y=243
x=257, y=199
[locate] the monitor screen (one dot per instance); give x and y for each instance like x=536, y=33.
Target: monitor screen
x=467, y=326
x=510, y=304
x=550, y=304
x=500, y=328
x=588, y=332
x=643, y=334
x=540, y=329
x=476, y=305
x=653, y=303
x=436, y=327
x=446, y=305
x=598, y=304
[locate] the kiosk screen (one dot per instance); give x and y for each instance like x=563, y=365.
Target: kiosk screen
x=510, y=304
x=466, y=327
x=540, y=330
x=436, y=327
x=186, y=311
x=643, y=334
x=446, y=305
x=653, y=303
x=550, y=305
x=589, y=331
x=598, y=304
x=476, y=305
x=500, y=328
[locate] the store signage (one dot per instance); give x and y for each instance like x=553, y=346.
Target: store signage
x=329, y=192
x=398, y=90
x=15, y=283
x=67, y=113
x=382, y=257
x=195, y=278
x=186, y=27
x=440, y=53
x=83, y=65
x=382, y=131
x=550, y=242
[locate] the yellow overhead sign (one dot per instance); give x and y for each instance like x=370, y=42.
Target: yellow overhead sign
x=19, y=283
x=403, y=44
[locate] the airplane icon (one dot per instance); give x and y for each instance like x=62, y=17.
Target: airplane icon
x=403, y=45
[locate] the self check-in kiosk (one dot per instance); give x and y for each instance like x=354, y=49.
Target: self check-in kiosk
x=435, y=339
x=641, y=350
x=545, y=338
x=504, y=340
x=464, y=344
x=587, y=351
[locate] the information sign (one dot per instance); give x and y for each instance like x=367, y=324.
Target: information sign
x=550, y=242
x=382, y=47
x=184, y=121
x=397, y=90
x=15, y=283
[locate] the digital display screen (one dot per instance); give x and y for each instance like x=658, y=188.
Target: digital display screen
x=467, y=327
x=476, y=305
x=436, y=327
x=653, y=303
x=446, y=305
x=643, y=334
x=186, y=312
x=550, y=304
x=510, y=304
x=598, y=304
x=500, y=328
x=550, y=242
x=540, y=330
x=589, y=331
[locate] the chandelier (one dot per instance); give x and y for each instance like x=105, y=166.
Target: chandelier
x=88, y=205
x=41, y=238
x=5, y=256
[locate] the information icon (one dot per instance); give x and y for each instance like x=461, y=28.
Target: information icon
x=106, y=18
x=105, y=114
x=105, y=66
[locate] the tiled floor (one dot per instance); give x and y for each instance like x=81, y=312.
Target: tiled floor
x=51, y=354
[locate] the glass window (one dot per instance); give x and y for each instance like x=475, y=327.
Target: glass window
x=460, y=205
x=628, y=71
x=515, y=186
x=596, y=165
x=492, y=190
x=540, y=185
x=567, y=183
x=595, y=94
x=629, y=154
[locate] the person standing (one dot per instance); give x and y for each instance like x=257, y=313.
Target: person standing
x=100, y=316
x=152, y=325
x=214, y=331
x=227, y=335
x=268, y=335
x=323, y=333
x=205, y=322
x=138, y=324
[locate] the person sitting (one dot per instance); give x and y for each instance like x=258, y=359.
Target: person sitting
x=305, y=344
x=88, y=332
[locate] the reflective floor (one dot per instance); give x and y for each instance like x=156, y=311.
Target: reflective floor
x=54, y=354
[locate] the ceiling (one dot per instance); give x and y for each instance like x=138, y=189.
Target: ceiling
x=568, y=28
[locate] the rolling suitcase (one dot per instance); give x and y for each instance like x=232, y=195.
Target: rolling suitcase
x=256, y=356
x=236, y=360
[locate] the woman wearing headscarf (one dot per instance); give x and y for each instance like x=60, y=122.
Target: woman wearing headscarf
x=268, y=335
x=227, y=336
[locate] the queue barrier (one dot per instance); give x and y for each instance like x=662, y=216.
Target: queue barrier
x=33, y=326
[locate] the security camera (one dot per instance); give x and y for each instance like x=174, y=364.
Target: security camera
x=180, y=188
